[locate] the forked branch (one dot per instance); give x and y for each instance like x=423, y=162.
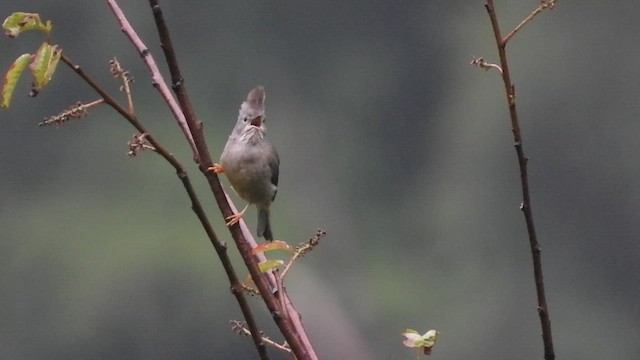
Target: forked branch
x=543, y=309
x=286, y=319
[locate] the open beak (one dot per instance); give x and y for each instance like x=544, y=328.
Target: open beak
x=256, y=121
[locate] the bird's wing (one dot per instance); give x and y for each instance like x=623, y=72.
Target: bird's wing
x=274, y=165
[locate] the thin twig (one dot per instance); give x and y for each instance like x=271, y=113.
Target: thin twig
x=239, y=327
x=124, y=76
x=76, y=111
x=483, y=64
x=544, y=4
x=302, y=249
x=543, y=309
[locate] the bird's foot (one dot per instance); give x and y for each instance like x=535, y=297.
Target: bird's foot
x=235, y=218
x=216, y=168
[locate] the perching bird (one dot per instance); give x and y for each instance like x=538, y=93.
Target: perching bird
x=250, y=162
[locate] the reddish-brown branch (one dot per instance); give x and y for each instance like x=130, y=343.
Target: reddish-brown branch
x=543, y=309
x=293, y=331
x=158, y=80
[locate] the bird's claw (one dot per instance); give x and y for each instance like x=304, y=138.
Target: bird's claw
x=216, y=168
x=234, y=219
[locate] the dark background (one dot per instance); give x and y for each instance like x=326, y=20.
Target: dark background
x=389, y=140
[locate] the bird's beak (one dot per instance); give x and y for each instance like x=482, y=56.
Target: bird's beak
x=256, y=121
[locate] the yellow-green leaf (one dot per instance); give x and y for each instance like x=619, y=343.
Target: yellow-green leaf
x=12, y=76
x=44, y=65
x=270, y=264
x=19, y=22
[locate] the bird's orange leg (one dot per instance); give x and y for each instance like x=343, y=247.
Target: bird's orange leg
x=233, y=219
x=216, y=168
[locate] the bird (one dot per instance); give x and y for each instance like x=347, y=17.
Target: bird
x=251, y=162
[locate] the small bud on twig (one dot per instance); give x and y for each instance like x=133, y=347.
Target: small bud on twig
x=482, y=64
x=123, y=75
x=139, y=143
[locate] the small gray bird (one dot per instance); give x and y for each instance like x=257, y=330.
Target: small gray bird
x=250, y=162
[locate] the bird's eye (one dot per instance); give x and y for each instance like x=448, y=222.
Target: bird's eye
x=244, y=119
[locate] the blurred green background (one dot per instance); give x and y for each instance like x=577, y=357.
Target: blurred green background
x=389, y=140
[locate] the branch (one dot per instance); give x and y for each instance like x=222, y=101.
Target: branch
x=543, y=309
x=196, y=206
x=156, y=76
x=294, y=334
x=240, y=329
x=292, y=330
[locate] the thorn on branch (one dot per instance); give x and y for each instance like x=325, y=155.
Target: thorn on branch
x=139, y=143
x=538, y=249
x=177, y=83
x=482, y=64
x=75, y=111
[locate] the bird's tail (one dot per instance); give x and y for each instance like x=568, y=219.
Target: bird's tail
x=264, y=225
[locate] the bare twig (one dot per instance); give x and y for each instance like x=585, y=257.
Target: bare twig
x=544, y=4
x=303, y=249
x=543, y=309
x=76, y=111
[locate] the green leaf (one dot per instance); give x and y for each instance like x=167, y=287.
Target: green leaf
x=12, y=76
x=270, y=264
x=44, y=65
x=20, y=22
